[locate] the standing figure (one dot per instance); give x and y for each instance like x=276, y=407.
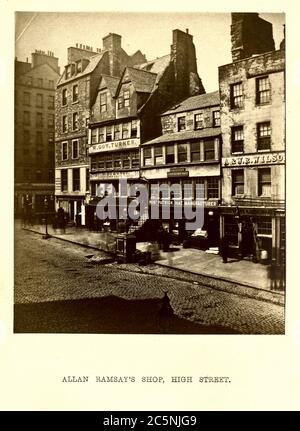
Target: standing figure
x=224, y=246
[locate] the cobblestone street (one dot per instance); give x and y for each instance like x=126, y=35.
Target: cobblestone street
x=59, y=289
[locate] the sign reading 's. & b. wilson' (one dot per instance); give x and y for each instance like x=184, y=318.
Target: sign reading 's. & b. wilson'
x=274, y=158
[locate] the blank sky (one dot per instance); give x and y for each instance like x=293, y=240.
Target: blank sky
x=149, y=32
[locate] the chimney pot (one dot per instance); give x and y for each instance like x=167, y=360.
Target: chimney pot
x=187, y=30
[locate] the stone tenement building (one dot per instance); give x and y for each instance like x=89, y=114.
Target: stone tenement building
x=126, y=112
x=252, y=94
x=34, y=130
x=76, y=92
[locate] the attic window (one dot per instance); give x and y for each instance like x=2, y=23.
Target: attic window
x=120, y=102
x=68, y=71
x=78, y=66
x=126, y=98
x=103, y=102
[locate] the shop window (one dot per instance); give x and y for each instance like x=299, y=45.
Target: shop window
x=103, y=102
x=181, y=123
x=64, y=123
x=117, y=131
x=158, y=155
x=263, y=91
x=216, y=119
x=26, y=118
x=64, y=180
x=264, y=225
x=264, y=182
x=76, y=180
x=64, y=96
x=39, y=100
x=209, y=149
x=199, y=123
x=264, y=136
x=212, y=188
x=170, y=154
x=182, y=153
x=135, y=159
x=147, y=157
x=75, y=93
x=125, y=131
x=108, y=133
x=237, y=139
x=94, y=136
x=75, y=149
x=75, y=121
x=236, y=96
x=26, y=99
x=126, y=98
x=134, y=129
x=237, y=182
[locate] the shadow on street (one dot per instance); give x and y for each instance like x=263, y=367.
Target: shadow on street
x=109, y=315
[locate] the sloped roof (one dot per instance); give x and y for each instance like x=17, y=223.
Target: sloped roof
x=142, y=80
x=157, y=66
x=195, y=102
x=111, y=82
x=93, y=62
x=208, y=132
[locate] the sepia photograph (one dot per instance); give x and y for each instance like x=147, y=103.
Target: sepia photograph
x=149, y=173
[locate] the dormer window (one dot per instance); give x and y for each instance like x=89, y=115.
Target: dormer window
x=78, y=67
x=181, y=123
x=68, y=72
x=120, y=102
x=126, y=98
x=103, y=102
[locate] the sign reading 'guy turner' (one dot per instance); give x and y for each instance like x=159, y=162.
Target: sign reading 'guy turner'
x=115, y=145
x=254, y=160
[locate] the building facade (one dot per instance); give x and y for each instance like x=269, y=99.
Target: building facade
x=252, y=94
x=127, y=113
x=34, y=130
x=76, y=92
x=187, y=154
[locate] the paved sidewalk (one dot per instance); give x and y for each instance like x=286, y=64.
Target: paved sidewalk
x=192, y=261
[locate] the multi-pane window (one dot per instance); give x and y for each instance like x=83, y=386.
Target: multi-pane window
x=117, y=131
x=39, y=119
x=40, y=82
x=126, y=98
x=199, y=123
x=117, y=161
x=94, y=135
x=50, y=120
x=108, y=133
x=120, y=102
x=76, y=179
x=195, y=151
x=101, y=134
x=158, y=155
x=64, y=180
x=264, y=225
x=212, y=188
x=264, y=182
x=125, y=131
x=126, y=160
x=209, y=149
x=237, y=139
x=216, y=119
x=135, y=158
x=103, y=102
x=134, y=129
x=264, y=136
x=26, y=99
x=75, y=93
x=263, y=91
x=39, y=100
x=75, y=121
x=237, y=182
x=147, y=157
x=68, y=72
x=75, y=149
x=237, y=98
x=50, y=102
x=64, y=123
x=170, y=154
x=181, y=123
x=26, y=117
x=182, y=153
x=64, y=150
x=108, y=161
x=64, y=96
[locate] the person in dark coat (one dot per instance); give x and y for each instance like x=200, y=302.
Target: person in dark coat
x=61, y=218
x=224, y=246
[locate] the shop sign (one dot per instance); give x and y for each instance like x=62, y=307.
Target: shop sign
x=114, y=175
x=115, y=145
x=254, y=160
x=178, y=172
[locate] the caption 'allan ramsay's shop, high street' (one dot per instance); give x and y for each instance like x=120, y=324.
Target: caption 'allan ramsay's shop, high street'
x=118, y=115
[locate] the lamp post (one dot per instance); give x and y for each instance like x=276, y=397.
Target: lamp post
x=46, y=236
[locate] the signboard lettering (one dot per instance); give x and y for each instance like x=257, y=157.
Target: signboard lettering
x=252, y=160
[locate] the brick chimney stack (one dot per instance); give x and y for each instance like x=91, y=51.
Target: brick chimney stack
x=40, y=57
x=250, y=35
